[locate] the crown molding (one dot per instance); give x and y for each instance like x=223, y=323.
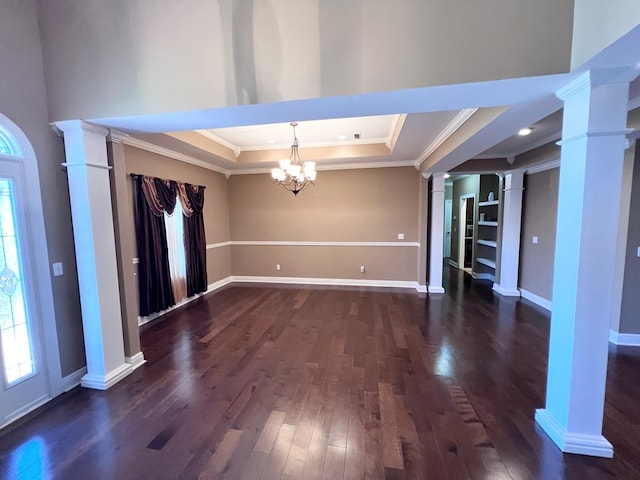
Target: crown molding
x=221, y=141
x=633, y=104
x=396, y=127
x=149, y=147
x=541, y=167
x=325, y=168
x=459, y=120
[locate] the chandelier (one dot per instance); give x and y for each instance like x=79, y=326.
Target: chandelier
x=293, y=174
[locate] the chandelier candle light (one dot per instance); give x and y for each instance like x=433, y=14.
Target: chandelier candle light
x=294, y=175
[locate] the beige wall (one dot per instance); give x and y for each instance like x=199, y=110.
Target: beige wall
x=629, y=318
x=597, y=23
x=216, y=210
x=539, y=214
x=366, y=205
x=22, y=99
x=115, y=58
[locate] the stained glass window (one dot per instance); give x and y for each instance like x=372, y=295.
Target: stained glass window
x=14, y=329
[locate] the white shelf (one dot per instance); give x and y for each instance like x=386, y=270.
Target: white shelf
x=488, y=243
x=488, y=204
x=487, y=262
x=488, y=224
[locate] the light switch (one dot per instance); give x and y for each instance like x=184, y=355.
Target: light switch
x=638, y=254
x=57, y=269
x=401, y=236
x=534, y=239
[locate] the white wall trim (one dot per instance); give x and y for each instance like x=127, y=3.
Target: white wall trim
x=461, y=117
x=532, y=297
x=593, y=445
x=136, y=361
x=505, y=292
x=337, y=166
x=627, y=339
x=542, y=167
x=218, y=245
x=219, y=140
x=73, y=379
x=104, y=382
x=435, y=289
x=396, y=128
x=349, y=282
x=166, y=152
x=286, y=243
x=211, y=287
x=453, y=263
x=38, y=402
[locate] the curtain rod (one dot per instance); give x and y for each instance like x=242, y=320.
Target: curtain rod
x=138, y=175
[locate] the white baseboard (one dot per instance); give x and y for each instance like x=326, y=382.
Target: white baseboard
x=421, y=288
x=593, y=445
x=347, y=282
x=506, y=292
x=627, y=339
x=38, y=402
x=136, y=361
x=210, y=288
x=73, y=380
x=532, y=297
x=435, y=289
x=104, y=382
x=453, y=263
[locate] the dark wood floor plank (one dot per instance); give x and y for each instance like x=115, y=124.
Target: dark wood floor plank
x=296, y=382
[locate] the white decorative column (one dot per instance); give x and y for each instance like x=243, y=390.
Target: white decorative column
x=423, y=233
x=90, y=195
x=593, y=140
x=436, y=247
x=510, y=240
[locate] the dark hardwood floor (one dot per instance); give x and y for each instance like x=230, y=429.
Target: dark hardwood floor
x=262, y=382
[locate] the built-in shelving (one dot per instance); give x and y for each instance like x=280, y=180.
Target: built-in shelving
x=485, y=261
x=489, y=212
x=488, y=243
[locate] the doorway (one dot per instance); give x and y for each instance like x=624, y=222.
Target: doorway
x=29, y=367
x=448, y=210
x=466, y=232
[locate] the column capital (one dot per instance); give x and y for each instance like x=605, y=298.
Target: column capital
x=595, y=77
x=68, y=126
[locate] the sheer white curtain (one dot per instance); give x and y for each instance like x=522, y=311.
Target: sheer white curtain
x=175, y=245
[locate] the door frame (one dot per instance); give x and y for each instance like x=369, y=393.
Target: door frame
x=41, y=287
x=462, y=210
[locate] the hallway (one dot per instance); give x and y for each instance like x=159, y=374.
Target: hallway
x=320, y=382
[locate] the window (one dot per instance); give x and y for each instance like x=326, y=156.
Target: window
x=8, y=144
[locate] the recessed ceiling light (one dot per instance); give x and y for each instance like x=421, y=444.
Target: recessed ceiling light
x=271, y=140
x=446, y=175
x=525, y=131
x=341, y=137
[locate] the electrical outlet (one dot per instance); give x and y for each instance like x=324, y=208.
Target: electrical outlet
x=362, y=269
x=57, y=269
x=534, y=239
x=277, y=266
x=401, y=236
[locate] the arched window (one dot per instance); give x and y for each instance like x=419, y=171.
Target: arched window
x=8, y=144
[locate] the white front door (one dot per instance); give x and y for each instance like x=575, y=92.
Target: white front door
x=23, y=376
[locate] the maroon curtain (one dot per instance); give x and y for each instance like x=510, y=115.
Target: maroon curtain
x=152, y=197
x=195, y=244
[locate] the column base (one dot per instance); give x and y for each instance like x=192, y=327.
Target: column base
x=580, y=443
x=435, y=289
x=104, y=382
x=506, y=292
x=136, y=361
